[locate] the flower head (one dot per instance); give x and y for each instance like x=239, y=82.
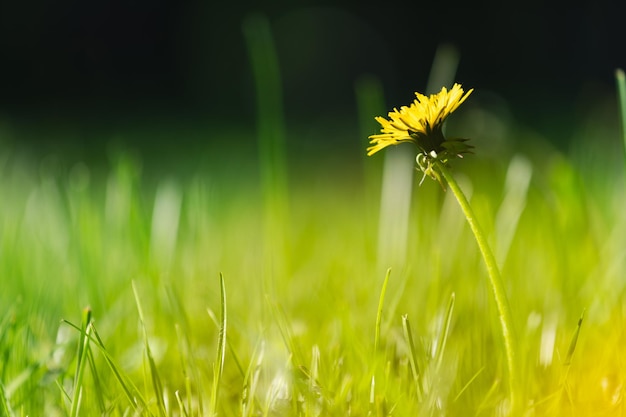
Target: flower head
x=421, y=123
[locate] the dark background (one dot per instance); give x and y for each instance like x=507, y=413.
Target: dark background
x=102, y=64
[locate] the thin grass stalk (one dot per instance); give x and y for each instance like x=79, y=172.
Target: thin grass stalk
x=564, y=393
x=97, y=385
x=286, y=334
x=415, y=369
x=130, y=390
x=251, y=381
x=573, y=341
x=187, y=363
x=497, y=286
x=7, y=333
x=218, y=370
x=157, y=385
x=81, y=361
x=620, y=79
x=311, y=380
x=443, y=335
x=467, y=385
x=189, y=392
x=372, y=404
x=5, y=406
x=379, y=315
x=65, y=396
x=229, y=345
x=181, y=405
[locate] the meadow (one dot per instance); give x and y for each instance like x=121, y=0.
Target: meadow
x=266, y=279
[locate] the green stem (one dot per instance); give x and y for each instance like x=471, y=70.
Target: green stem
x=495, y=279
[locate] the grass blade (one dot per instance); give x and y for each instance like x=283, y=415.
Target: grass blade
x=313, y=387
x=81, y=360
x=7, y=332
x=5, y=407
x=231, y=349
x=620, y=78
x=187, y=361
x=573, y=341
x=98, y=388
x=251, y=380
x=130, y=390
x=372, y=396
x=443, y=335
x=287, y=334
x=466, y=386
x=181, y=405
x=379, y=315
x=221, y=350
x=157, y=385
x=415, y=370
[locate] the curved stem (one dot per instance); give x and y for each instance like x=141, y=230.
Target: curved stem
x=495, y=279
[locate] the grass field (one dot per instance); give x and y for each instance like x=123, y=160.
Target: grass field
x=269, y=279
x=307, y=331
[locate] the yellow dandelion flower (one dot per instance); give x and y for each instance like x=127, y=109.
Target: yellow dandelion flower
x=421, y=123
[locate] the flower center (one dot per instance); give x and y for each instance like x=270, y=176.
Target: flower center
x=430, y=140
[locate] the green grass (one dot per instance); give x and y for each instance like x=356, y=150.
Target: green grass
x=320, y=337
x=251, y=281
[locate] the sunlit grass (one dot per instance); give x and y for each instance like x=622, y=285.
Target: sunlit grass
x=319, y=338
x=261, y=281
